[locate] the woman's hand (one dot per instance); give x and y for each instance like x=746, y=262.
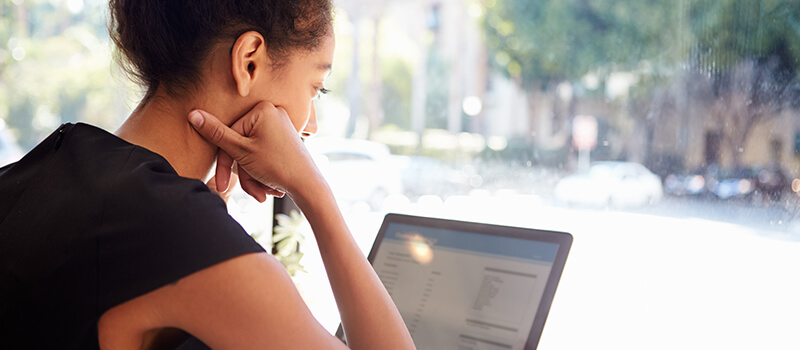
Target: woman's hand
x=225, y=193
x=264, y=145
x=271, y=157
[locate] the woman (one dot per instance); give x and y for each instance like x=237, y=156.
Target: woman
x=112, y=242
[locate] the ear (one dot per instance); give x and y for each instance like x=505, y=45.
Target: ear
x=249, y=60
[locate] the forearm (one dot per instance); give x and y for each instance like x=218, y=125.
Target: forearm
x=364, y=305
x=271, y=157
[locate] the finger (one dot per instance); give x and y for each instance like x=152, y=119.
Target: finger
x=246, y=125
x=273, y=192
x=251, y=186
x=212, y=185
x=217, y=133
x=223, y=170
x=224, y=194
x=234, y=180
x=256, y=189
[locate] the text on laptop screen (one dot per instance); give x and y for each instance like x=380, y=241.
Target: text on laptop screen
x=461, y=290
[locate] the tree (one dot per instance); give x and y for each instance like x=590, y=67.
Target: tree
x=751, y=51
x=747, y=95
x=59, y=72
x=544, y=44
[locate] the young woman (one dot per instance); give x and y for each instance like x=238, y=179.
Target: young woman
x=111, y=241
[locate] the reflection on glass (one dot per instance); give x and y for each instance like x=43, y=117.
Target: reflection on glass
x=419, y=247
x=474, y=104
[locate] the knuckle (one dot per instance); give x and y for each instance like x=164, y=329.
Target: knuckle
x=264, y=106
x=217, y=135
x=259, y=107
x=248, y=149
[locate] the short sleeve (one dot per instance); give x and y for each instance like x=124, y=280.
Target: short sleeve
x=158, y=227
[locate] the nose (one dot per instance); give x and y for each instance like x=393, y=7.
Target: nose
x=311, y=125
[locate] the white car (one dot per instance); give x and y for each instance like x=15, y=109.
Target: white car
x=617, y=184
x=357, y=170
x=429, y=176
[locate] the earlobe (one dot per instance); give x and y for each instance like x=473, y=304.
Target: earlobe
x=247, y=57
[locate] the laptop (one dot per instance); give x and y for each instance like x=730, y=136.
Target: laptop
x=469, y=286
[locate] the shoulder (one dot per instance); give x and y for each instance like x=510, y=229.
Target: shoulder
x=158, y=228
x=147, y=185
x=152, y=200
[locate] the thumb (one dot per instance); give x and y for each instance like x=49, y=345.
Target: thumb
x=216, y=132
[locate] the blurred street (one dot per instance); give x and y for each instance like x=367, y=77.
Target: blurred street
x=686, y=274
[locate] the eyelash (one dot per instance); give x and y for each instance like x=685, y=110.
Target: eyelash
x=322, y=91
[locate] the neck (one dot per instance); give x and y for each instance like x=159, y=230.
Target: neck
x=160, y=124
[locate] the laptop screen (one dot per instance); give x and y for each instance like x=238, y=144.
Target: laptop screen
x=467, y=286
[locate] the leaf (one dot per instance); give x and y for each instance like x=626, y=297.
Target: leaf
x=287, y=238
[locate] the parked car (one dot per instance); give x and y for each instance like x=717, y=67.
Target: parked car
x=616, y=184
x=771, y=183
x=757, y=184
x=731, y=183
x=357, y=170
x=686, y=184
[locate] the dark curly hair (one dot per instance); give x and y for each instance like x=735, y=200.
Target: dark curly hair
x=164, y=42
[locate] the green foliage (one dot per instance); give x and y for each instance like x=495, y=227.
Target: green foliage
x=287, y=239
x=55, y=67
x=557, y=40
x=565, y=39
x=728, y=31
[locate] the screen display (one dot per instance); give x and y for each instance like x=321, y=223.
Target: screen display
x=462, y=290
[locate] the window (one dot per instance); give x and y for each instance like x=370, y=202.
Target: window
x=501, y=111
x=686, y=235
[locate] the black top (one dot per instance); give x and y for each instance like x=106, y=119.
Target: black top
x=88, y=221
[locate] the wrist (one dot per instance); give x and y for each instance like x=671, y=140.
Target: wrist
x=319, y=206
x=310, y=191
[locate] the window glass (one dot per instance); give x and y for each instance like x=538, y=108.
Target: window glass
x=500, y=111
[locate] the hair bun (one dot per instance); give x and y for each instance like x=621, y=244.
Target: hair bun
x=165, y=42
